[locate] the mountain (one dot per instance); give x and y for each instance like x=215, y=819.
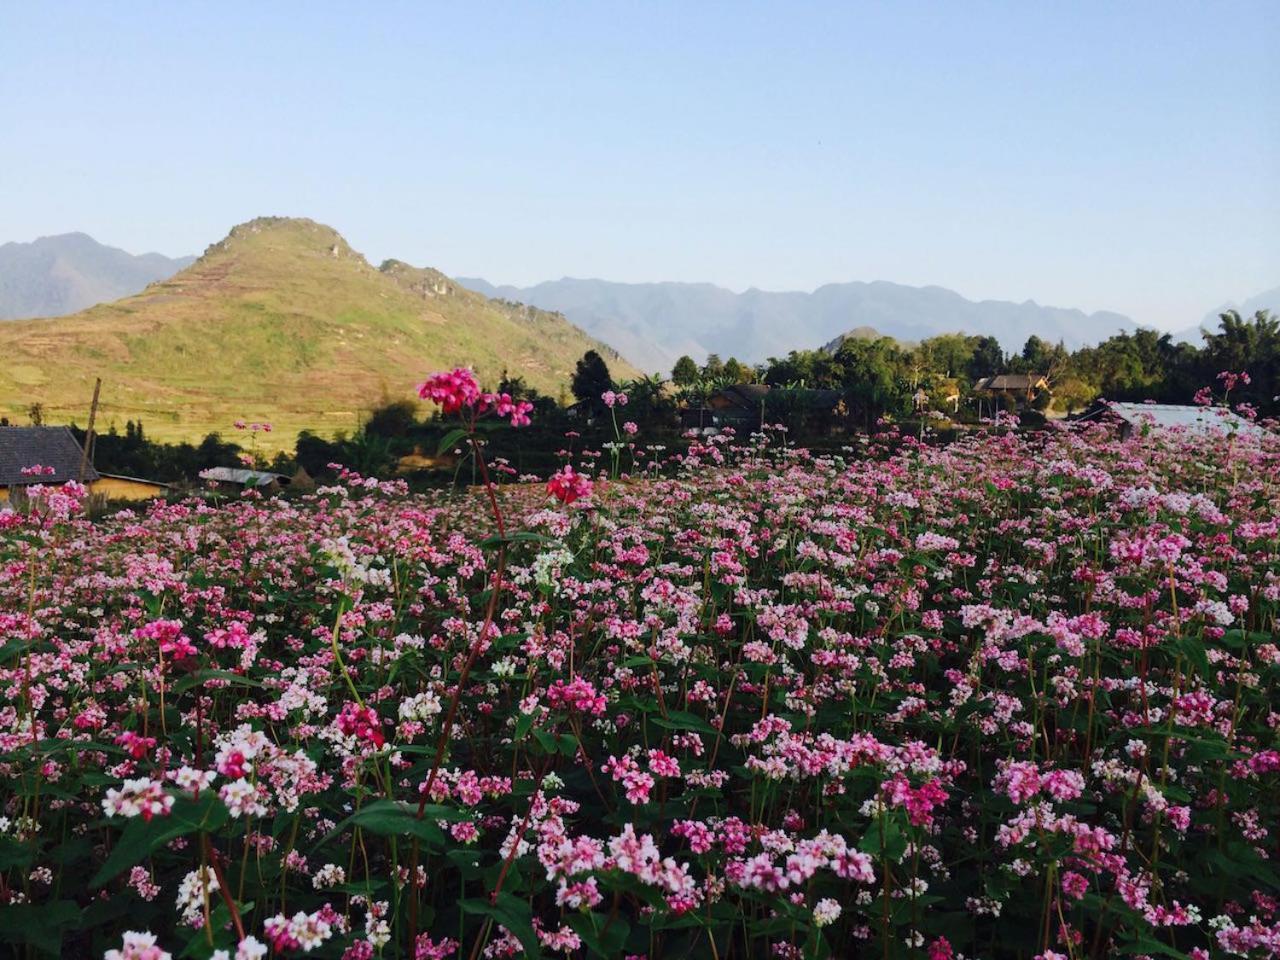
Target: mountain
x=56, y=275
x=654, y=323
x=1267, y=300
x=281, y=321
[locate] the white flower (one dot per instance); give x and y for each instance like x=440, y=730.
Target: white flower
x=826, y=911
x=423, y=706
x=330, y=875
x=138, y=946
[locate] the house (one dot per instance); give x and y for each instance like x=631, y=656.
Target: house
x=246, y=479
x=61, y=458
x=1165, y=417
x=1023, y=387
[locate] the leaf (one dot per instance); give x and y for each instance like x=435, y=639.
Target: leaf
x=683, y=720
x=449, y=439
x=396, y=818
x=512, y=913
x=610, y=939
x=524, y=536
x=201, y=676
x=38, y=924
x=141, y=837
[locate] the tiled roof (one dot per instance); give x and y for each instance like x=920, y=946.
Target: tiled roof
x=1010, y=381
x=56, y=447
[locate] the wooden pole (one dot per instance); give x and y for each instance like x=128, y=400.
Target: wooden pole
x=88, y=434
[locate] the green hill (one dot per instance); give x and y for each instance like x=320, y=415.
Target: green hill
x=281, y=321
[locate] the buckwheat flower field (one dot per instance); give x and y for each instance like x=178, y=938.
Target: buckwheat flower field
x=1011, y=697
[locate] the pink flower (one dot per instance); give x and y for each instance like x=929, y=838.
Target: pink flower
x=452, y=391
x=566, y=485
x=576, y=695
x=361, y=723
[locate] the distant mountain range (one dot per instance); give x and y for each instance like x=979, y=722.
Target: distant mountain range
x=651, y=324
x=280, y=321
x=69, y=272
x=654, y=323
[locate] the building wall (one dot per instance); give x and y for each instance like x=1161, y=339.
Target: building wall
x=117, y=488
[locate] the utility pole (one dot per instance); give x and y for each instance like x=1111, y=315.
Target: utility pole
x=88, y=434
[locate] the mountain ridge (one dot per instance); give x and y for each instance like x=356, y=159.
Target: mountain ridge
x=654, y=323
x=280, y=320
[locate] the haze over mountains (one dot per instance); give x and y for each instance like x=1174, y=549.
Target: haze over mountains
x=654, y=323
x=69, y=272
x=280, y=321
x=1267, y=300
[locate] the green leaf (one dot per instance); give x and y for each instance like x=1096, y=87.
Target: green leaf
x=141, y=837
x=38, y=924
x=396, y=818
x=449, y=439
x=610, y=938
x=201, y=676
x=512, y=913
x=683, y=720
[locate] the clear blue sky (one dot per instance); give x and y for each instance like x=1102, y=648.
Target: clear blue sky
x=1117, y=156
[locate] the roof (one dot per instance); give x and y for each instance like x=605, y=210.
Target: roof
x=242, y=477
x=746, y=395
x=56, y=447
x=121, y=476
x=1010, y=381
x=1176, y=416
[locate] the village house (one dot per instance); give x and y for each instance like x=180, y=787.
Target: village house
x=1022, y=387
x=62, y=459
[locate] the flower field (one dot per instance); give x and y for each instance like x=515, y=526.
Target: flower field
x=1012, y=697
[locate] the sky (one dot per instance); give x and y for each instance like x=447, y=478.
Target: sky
x=1102, y=156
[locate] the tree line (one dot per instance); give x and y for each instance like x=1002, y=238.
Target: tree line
x=882, y=376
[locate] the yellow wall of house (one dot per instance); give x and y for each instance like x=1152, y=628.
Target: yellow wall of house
x=115, y=488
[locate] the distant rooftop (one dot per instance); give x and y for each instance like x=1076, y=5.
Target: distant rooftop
x=242, y=477
x=1010, y=381
x=50, y=447
x=1176, y=416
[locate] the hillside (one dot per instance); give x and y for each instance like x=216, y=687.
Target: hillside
x=281, y=321
x=654, y=323
x=72, y=271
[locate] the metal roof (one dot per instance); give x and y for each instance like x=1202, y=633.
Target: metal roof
x=242, y=477
x=56, y=447
x=1176, y=416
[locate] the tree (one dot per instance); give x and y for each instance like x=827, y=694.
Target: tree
x=987, y=359
x=1251, y=346
x=872, y=379
x=713, y=369
x=591, y=379
x=393, y=419
x=647, y=402
x=737, y=372
x=685, y=373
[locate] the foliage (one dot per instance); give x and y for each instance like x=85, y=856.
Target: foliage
x=591, y=379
